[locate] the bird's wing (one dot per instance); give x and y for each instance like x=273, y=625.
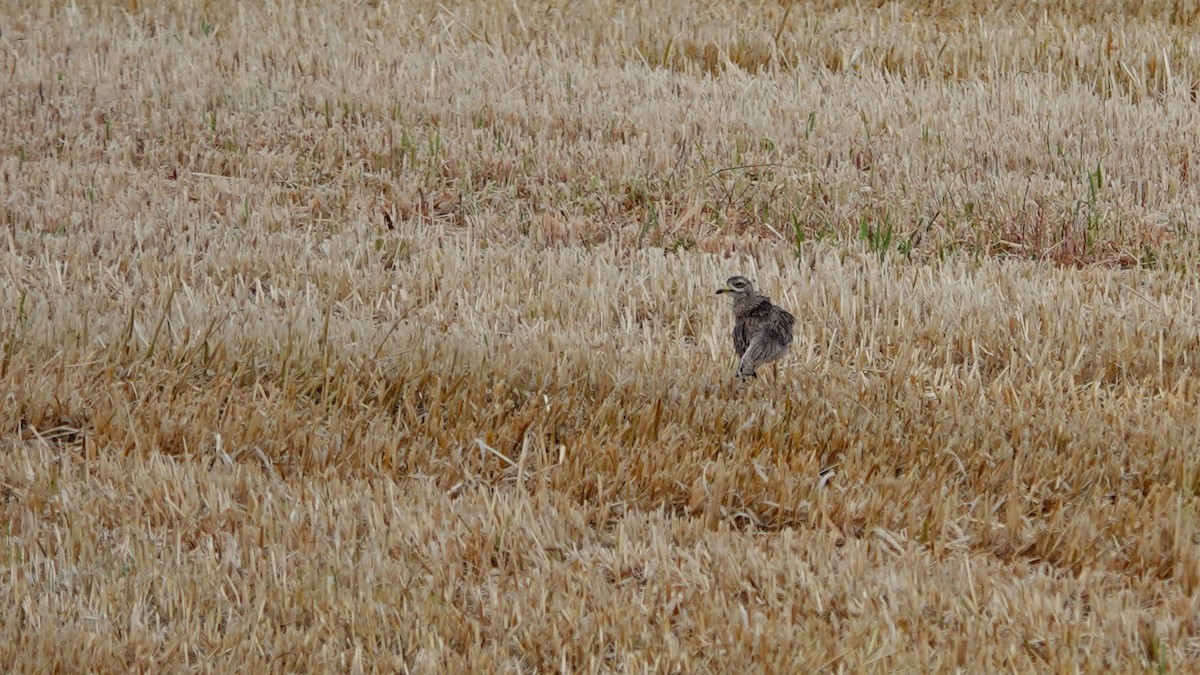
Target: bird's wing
x=783, y=324
x=772, y=321
x=762, y=350
x=743, y=331
x=761, y=336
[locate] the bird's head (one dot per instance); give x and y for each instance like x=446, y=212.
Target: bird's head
x=739, y=286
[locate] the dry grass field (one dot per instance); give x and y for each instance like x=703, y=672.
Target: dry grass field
x=381, y=336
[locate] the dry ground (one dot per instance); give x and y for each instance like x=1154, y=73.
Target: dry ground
x=381, y=336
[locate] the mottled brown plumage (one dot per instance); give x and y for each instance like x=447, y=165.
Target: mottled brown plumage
x=761, y=331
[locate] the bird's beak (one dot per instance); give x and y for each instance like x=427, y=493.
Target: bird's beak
x=724, y=290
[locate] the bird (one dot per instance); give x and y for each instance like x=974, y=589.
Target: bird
x=761, y=331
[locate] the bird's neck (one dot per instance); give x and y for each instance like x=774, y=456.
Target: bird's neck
x=746, y=303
